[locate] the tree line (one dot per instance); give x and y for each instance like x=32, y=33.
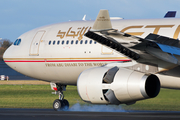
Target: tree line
x=4, y=44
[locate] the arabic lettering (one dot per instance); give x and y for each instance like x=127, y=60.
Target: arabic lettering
x=82, y=33
x=61, y=34
x=73, y=34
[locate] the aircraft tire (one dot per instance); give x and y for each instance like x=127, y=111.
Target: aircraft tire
x=65, y=104
x=57, y=104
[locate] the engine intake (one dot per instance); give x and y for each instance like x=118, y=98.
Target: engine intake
x=104, y=85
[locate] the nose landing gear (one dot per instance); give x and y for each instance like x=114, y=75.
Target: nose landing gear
x=61, y=103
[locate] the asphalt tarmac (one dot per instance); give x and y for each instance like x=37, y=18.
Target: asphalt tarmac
x=49, y=114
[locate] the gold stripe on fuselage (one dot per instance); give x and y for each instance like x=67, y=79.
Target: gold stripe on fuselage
x=67, y=58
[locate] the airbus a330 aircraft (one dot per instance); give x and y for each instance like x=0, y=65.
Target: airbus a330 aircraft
x=111, y=61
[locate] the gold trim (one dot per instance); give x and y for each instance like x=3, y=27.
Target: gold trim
x=176, y=34
x=63, y=58
x=157, y=27
x=123, y=30
x=133, y=33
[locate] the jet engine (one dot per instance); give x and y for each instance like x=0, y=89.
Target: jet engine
x=104, y=85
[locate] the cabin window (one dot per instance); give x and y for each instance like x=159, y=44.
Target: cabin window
x=90, y=42
x=67, y=42
x=76, y=41
x=54, y=42
x=58, y=42
x=81, y=42
x=95, y=42
x=49, y=42
x=62, y=42
x=86, y=42
x=72, y=42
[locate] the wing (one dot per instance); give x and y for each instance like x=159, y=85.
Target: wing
x=135, y=48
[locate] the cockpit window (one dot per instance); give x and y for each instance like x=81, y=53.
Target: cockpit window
x=17, y=42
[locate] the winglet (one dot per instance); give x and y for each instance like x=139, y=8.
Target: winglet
x=170, y=14
x=102, y=21
x=84, y=18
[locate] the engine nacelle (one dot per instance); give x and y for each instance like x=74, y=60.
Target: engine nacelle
x=104, y=85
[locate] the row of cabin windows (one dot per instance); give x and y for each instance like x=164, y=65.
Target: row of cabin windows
x=71, y=42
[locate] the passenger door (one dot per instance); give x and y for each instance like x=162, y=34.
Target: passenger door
x=34, y=49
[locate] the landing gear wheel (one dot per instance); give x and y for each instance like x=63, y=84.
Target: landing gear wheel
x=61, y=103
x=57, y=104
x=65, y=104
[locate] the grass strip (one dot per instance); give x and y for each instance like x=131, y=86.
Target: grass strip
x=39, y=96
x=23, y=82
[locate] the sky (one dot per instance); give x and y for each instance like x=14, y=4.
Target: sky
x=20, y=16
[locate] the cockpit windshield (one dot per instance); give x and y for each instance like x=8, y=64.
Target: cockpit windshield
x=17, y=42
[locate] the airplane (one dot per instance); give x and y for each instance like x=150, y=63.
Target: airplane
x=114, y=62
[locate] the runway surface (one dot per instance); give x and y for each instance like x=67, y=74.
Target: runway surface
x=49, y=114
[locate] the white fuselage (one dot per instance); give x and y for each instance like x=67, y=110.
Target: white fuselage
x=50, y=53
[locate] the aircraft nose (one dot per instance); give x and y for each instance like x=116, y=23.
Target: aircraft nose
x=8, y=57
x=5, y=55
x=8, y=54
